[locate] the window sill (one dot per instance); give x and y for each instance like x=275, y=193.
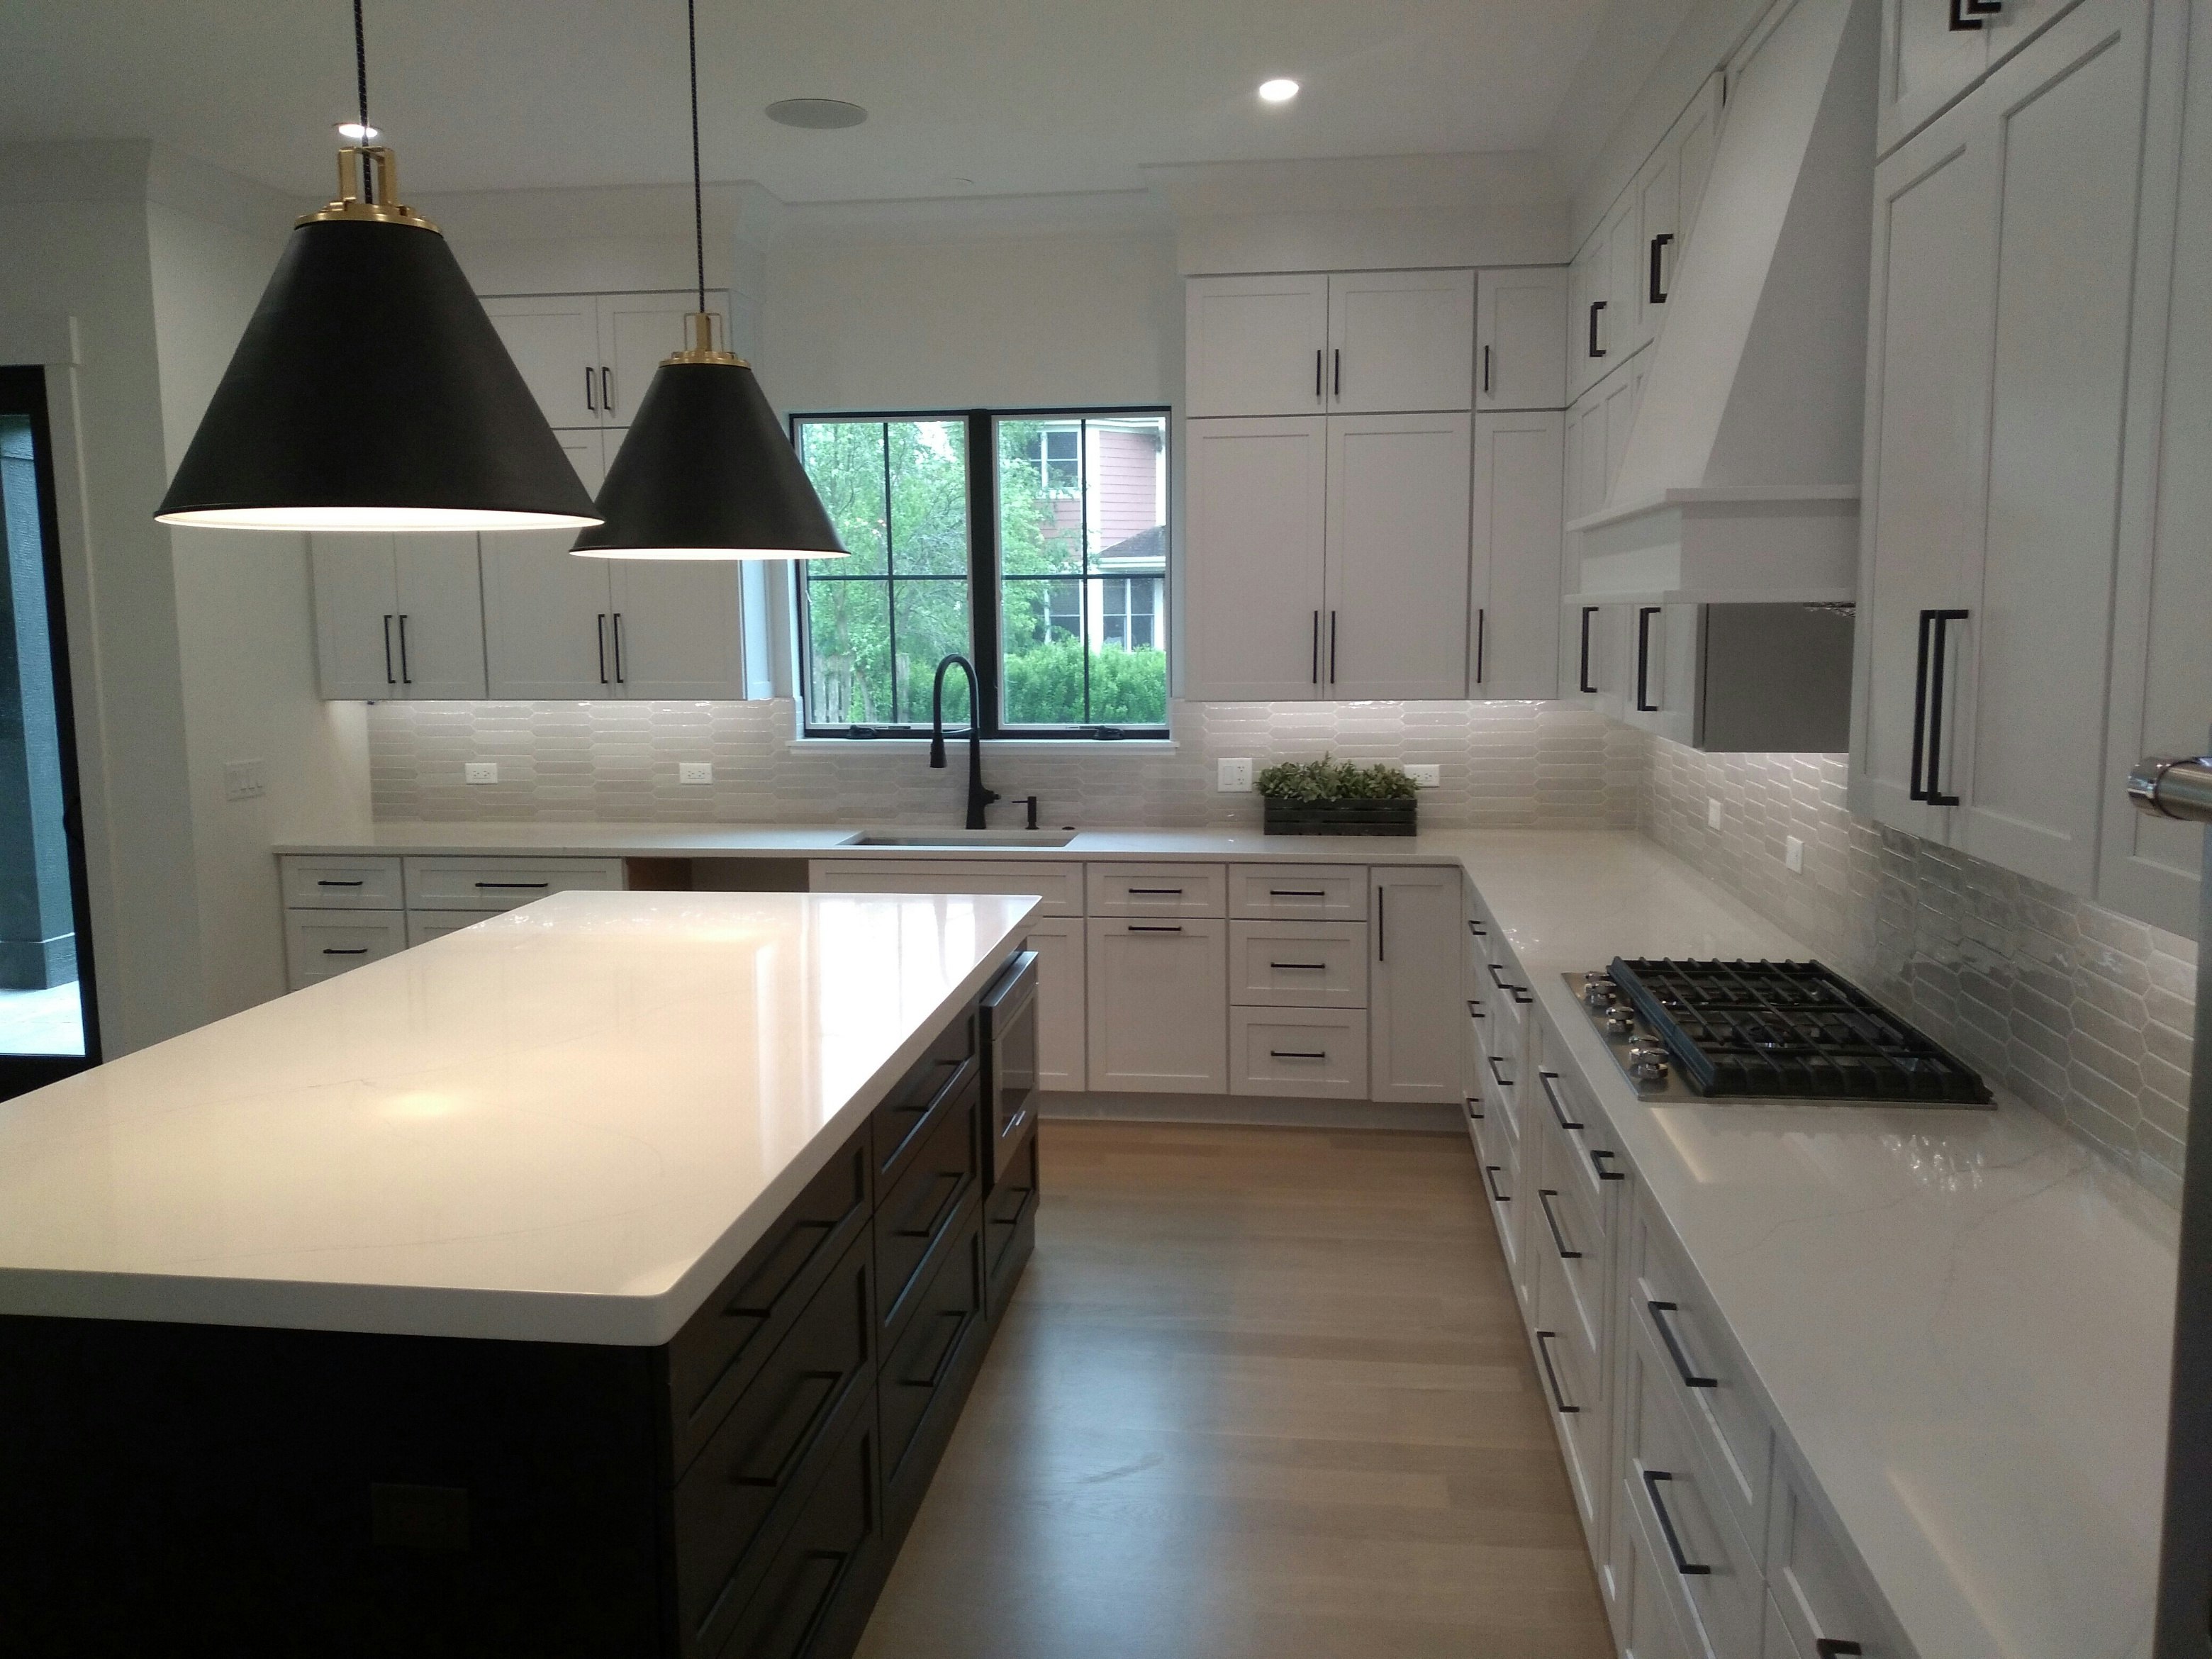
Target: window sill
x=1018, y=745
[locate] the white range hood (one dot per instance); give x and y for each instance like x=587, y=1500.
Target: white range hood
x=1740, y=482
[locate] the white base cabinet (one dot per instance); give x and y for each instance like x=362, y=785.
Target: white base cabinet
x=1158, y=996
x=1417, y=1002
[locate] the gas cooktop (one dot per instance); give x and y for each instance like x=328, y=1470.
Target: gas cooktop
x=1765, y=1030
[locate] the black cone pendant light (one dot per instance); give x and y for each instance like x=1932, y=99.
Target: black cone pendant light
x=707, y=472
x=370, y=392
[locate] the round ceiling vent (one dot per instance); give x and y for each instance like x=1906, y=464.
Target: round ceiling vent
x=816, y=114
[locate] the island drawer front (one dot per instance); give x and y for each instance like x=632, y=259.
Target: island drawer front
x=314, y=882
x=1298, y=1053
x=1009, y=1221
x=320, y=945
x=723, y=1346
x=1565, y=1233
x=1667, y=1301
x=927, y=1372
x=493, y=885
x=1058, y=886
x=1158, y=890
x=1568, y=1376
x=903, y=1118
x=771, y=1445
x=1287, y=892
x=810, y=1598
x=1299, y=964
x=914, y=1215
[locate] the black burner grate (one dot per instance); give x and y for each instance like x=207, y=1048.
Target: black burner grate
x=1789, y=1029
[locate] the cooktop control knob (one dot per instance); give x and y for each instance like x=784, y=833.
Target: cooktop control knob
x=1597, y=991
x=1647, y=1062
x=1619, y=1023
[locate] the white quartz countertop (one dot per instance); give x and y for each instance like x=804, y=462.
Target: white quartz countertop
x=566, y=1124
x=1961, y=1319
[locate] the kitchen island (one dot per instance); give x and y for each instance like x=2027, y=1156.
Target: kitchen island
x=604, y=1280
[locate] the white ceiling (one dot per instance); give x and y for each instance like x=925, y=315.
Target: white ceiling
x=1016, y=95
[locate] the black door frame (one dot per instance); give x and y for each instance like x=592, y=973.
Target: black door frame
x=23, y=392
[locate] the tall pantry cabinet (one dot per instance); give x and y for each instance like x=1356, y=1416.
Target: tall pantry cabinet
x=1332, y=549
x=2022, y=268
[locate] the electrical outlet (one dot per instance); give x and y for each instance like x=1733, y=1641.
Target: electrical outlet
x=1793, y=853
x=1428, y=777
x=244, y=780
x=480, y=771
x=1712, y=814
x=1234, y=777
x=695, y=771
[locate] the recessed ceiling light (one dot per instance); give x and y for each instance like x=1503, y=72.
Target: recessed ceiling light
x=354, y=133
x=816, y=114
x=1280, y=90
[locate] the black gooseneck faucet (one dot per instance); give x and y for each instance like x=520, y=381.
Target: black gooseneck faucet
x=978, y=796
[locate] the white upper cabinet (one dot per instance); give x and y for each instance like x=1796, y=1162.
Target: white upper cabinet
x=1932, y=51
x=588, y=357
x=1255, y=345
x=1518, y=566
x=397, y=616
x=1253, y=522
x=1668, y=193
x=1400, y=340
x=678, y=631
x=548, y=619
x=1520, y=338
x=1397, y=556
x=2002, y=332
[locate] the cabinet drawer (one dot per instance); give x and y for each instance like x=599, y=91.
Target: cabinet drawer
x=1566, y=1232
x=1010, y=1222
x=1568, y=1372
x=424, y=926
x=766, y=1448
x=1299, y=964
x=320, y=945
x=1318, y=892
x=341, y=884
x=1668, y=1304
x=925, y=1373
x=1058, y=886
x=1298, y=1053
x=723, y=1346
x=914, y=1210
x=1158, y=890
x=900, y=1122
x=1671, y=1487
x=503, y=883
x=1816, y=1585
x=1568, y=1113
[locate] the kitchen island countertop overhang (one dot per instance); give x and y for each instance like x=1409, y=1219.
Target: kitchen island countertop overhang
x=566, y=1125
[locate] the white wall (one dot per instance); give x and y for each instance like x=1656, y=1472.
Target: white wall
x=246, y=637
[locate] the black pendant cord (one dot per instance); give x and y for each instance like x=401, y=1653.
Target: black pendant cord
x=360, y=68
x=698, y=209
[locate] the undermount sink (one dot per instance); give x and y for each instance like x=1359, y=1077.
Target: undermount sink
x=941, y=838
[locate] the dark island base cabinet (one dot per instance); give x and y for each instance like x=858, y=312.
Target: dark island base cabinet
x=737, y=1494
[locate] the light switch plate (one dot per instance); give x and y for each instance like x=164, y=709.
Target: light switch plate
x=1793, y=853
x=1428, y=777
x=695, y=771
x=480, y=771
x=1712, y=814
x=1234, y=777
x=244, y=780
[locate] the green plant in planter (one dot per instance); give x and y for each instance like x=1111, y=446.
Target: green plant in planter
x=1304, y=783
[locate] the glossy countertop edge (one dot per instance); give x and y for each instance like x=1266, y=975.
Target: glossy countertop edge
x=1640, y=899
x=493, y=1313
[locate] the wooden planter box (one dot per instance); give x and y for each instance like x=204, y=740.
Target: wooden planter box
x=1341, y=818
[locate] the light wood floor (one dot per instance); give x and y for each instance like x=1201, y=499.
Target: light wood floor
x=1263, y=1392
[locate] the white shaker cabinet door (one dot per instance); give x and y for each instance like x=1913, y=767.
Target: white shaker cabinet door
x=2064, y=122
x=548, y=618
x=441, y=622
x=1926, y=63
x=678, y=632
x=357, y=616
x=1255, y=345
x=1159, y=993
x=1251, y=558
x=1517, y=554
x=1400, y=340
x=1061, y=1013
x=1520, y=338
x=1397, y=487
x=554, y=340
x=1416, y=999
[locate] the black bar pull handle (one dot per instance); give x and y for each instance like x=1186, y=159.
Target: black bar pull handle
x=591, y=390
x=1551, y=1094
x=621, y=677
x=1959, y=18
x=1583, y=675
x=1481, y=629
x=1596, y=306
x=406, y=670
x=1599, y=1155
x=1332, y=647
x=1935, y=796
x=1293, y=1054
x=389, y=678
x=1659, y=252
x=350, y=951
x=1474, y=1009
x=1643, y=614
x=1156, y=892
x=1382, y=915
x=1474, y=1110
x=1652, y=1480
x=1303, y=967
x=1504, y=1081
x=1316, y=373
x=1831, y=1647
x=1477, y=928
x=607, y=389
x=1336, y=374
x=1317, y=646
x=340, y=884
x=1147, y=927
x=515, y=886
x=1490, y=1177
x=1690, y=1379
x=1544, y=1340
x=603, y=649
x=1486, y=371
x=1544, y=1197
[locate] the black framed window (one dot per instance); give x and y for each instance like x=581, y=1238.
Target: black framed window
x=1032, y=541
